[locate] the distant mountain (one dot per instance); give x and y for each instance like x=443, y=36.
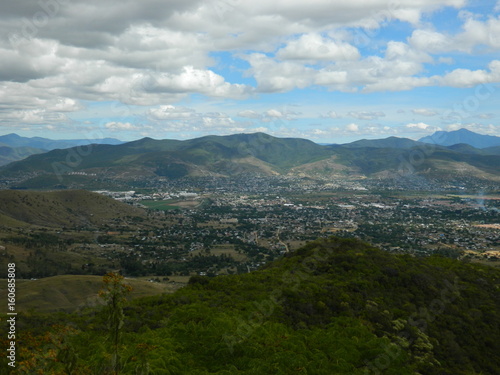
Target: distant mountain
x=391, y=142
x=10, y=154
x=247, y=155
x=464, y=136
x=14, y=140
x=257, y=153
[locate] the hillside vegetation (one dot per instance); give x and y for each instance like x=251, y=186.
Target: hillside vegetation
x=61, y=208
x=334, y=306
x=245, y=154
x=9, y=154
x=72, y=292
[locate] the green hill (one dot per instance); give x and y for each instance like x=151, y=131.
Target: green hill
x=9, y=154
x=240, y=154
x=391, y=142
x=69, y=208
x=334, y=306
x=220, y=155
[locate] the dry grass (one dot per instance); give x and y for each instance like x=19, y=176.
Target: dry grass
x=72, y=292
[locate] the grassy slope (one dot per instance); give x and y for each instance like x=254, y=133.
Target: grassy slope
x=70, y=292
x=62, y=208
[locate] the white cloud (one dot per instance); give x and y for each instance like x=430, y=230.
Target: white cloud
x=366, y=115
x=430, y=41
x=420, y=129
x=248, y=113
x=470, y=78
x=192, y=80
x=400, y=84
x=270, y=116
x=491, y=129
x=120, y=126
x=352, y=127
x=475, y=33
x=393, y=72
x=32, y=116
x=273, y=76
x=486, y=115
x=331, y=114
x=424, y=112
x=274, y=113
x=153, y=53
x=169, y=118
x=418, y=126
x=316, y=47
x=260, y=129
x=167, y=112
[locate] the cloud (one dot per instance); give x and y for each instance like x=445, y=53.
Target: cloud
x=352, y=127
x=169, y=118
x=424, y=112
x=32, y=116
x=366, y=115
x=419, y=126
x=475, y=34
x=274, y=113
x=120, y=126
x=248, y=113
x=192, y=80
x=331, y=114
x=314, y=47
x=471, y=78
x=491, y=129
x=270, y=115
x=274, y=76
x=170, y=112
x=393, y=72
x=57, y=57
x=486, y=115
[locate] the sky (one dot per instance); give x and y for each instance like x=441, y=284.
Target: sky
x=330, y=71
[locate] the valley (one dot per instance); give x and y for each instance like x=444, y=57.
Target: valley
x=203, y=231
x=230, y=226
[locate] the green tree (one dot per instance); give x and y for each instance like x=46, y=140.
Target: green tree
x=114, y=292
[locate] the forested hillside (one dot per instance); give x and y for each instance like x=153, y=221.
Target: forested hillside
x=335, y=306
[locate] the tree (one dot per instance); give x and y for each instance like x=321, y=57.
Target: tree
x=114, y=292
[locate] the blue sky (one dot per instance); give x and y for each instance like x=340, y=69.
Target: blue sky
x=326, y=71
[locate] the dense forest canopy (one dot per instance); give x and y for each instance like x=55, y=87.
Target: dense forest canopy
x=335, y=306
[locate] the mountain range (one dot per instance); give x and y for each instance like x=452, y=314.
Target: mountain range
x=14, y=147
x=462, y=136
x=14, y=140
x=253, y=154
